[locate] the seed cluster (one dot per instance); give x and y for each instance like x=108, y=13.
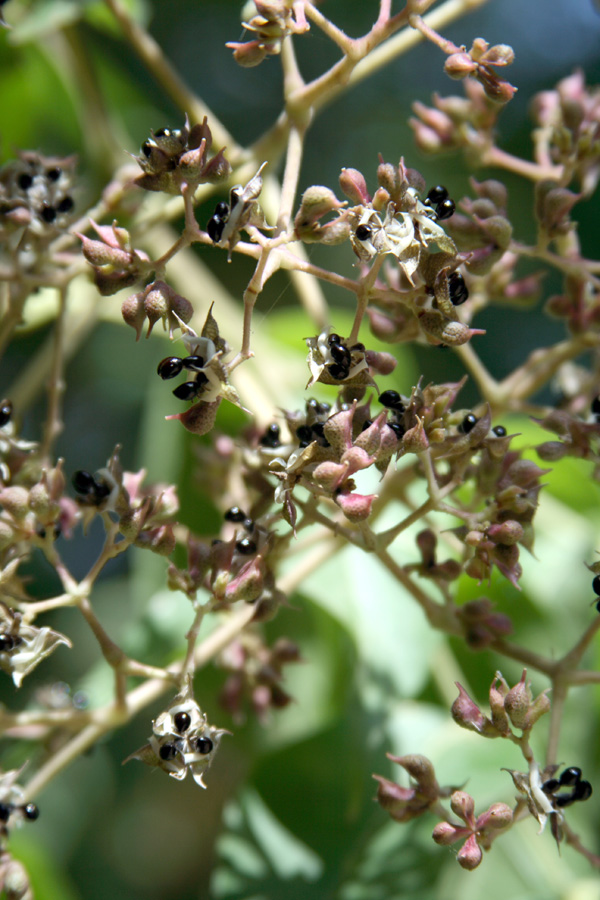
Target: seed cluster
x=92, y=490
x=442, y=206
x=172, y=366
x=570, y=778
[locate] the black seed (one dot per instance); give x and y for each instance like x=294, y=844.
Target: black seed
x=570, y=776
x=31, y=811
x=5, y=413
x=459, y=291
x=48, y=213
x=341, y=355
x=83, y=481
x=363, y=232
x=168, y=751
x=5, y=811
x=323, y=408
x=468, y=423
x=215, y=229
x=271, y=436
x=182, y=721
x=245, y=547
x=186, y=391
x=334, y=339
x=499, y=431
x=313, y=404
x=8, y=642
x=204, y=745
x=338, y=372
x=318, y=430
x=201, y=379
x=565, y=799
x=248, y=524
x=222, y=209
x=54, y=173
x=304, y=435
x=25, y=181
x=397, y=428
x=367, y=424
x=194, y=363
x=147, y=148
x=437, y=194
x=235, y=514
x=234, y=195
x=596, y=405
x=392, y=400
x=169, y=367
x=445, y=209
x=66, y=204
x=596, y=585
x=583, y=790
x=162, y=132
x=101, y=490
x=551, y=786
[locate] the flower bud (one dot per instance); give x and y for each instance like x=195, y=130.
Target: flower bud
x=470, y=854
x=459, y=65
x=249, y=54
x=445, y=834
x=382, y=363
x=15, y=501
x=509, y=532
x=498, y=55
x=7, y=535
x=356, y=507
x=40, y=502
x=133, y=313
x=354, y=186
x=415, y=440
x=395, y=799
x=248, y=583
x=466, y=713
x=517, y=702
x=540, y=705
x=199, y=418
x=499, y=815
x=463, y=806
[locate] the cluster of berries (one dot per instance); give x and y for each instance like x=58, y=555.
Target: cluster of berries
x=342, y=356
x=317, y=414
x=570, y=778
x=172, y=366
x=246, y=546
x=92, y=489
x=442, y=207
x=172, y=749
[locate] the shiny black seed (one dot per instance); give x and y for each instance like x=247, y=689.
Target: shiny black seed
x=5, y=811
x=565, y=799
x=570, y=776
x=271, y=436
x=499, y=431
x=204, y=745
x=194, y=363
x=215, y=229
x=222, y=209
x=101, y=491
x=163, y=132
x=304, y=435
x=397, y=428
x=182, y=721
x=5, y=413
x=596, y=405
x=186, y=391
x=248, y=524
x=551, y=786
x=169, y=367
x=437, y=194
x=168, y=751
x=341, y=355
x=583, y=790
x=338, y=372
x=363, y=232
x=48, y=214
x=392, y=400
x=318, y=430
x=468, y=423
x=234, y=195
x=83, y=481
x=367, y=424
x=31, y=811
x=459, y=291
x=313, y=404
x=445, y=209
x=235, y=514
x=8, y=642
x=25, y=181
x=334, y=339
x=66, y=204
x=596, y=585
x=245, y=546
x=323, y=408
x=147, y=148
x=54, y=173
x=201, y=379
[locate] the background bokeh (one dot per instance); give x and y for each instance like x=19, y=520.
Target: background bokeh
x=289, y=810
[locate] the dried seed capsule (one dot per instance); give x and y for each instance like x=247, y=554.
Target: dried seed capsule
x=169, y=367
x=468, y=423
x=186, y=391
x=31, y=811
x=182, y=721
x=437, y=194
x=204, y=745
x=245, y=547
x=234, y=514
x=5, y=413
x=459, y=291
x=363, y=232
x=271, y=436
x=499, y=431
x=445, y=209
